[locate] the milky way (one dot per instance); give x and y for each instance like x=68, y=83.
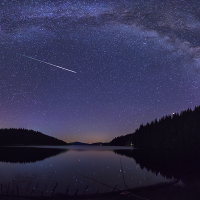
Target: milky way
x=135, y=61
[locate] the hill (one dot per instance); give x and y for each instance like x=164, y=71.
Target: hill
x=93, y=144
x=100, y=144
x=78, y=143
x=24, y=137
x=179, y=131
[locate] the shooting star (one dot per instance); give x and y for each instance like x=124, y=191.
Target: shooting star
x=47, y=63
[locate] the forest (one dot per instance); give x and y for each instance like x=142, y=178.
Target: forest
x=25, y=137
x=177, y=131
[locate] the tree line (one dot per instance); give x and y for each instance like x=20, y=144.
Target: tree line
x=177, y=131
x=13, y=136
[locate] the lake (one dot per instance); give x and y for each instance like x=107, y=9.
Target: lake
x=98, y=167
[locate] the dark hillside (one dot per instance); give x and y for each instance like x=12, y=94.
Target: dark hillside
x=11, y=137
x=124, y=140
x=179, y=131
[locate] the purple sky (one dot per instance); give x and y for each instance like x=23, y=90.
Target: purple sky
x=135, y=61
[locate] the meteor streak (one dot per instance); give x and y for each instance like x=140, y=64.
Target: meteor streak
x=47, y=63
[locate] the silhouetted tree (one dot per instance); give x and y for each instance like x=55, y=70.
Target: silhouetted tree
x=179, y=131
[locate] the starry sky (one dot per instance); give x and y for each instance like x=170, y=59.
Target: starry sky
x=135, y=60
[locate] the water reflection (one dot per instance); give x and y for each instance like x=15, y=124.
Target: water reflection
x=27, y=154
x=65, y=167
x=170, y=164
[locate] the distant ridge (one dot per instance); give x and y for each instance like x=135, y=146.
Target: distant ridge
x=25, y=137
x=100, y=144
x=86, y=144
x=177, y=131
x=77, y=143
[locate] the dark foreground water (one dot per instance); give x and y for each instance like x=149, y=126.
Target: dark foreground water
x=27, y=167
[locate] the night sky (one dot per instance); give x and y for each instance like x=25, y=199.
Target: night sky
x=135, y=60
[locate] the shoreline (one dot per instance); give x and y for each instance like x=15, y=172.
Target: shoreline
x=134, y=192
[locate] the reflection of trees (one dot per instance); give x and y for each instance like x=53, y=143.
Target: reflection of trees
x=169, y=164
x=27, y=154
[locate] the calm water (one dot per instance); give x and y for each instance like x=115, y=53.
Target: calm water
x=25, y=167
